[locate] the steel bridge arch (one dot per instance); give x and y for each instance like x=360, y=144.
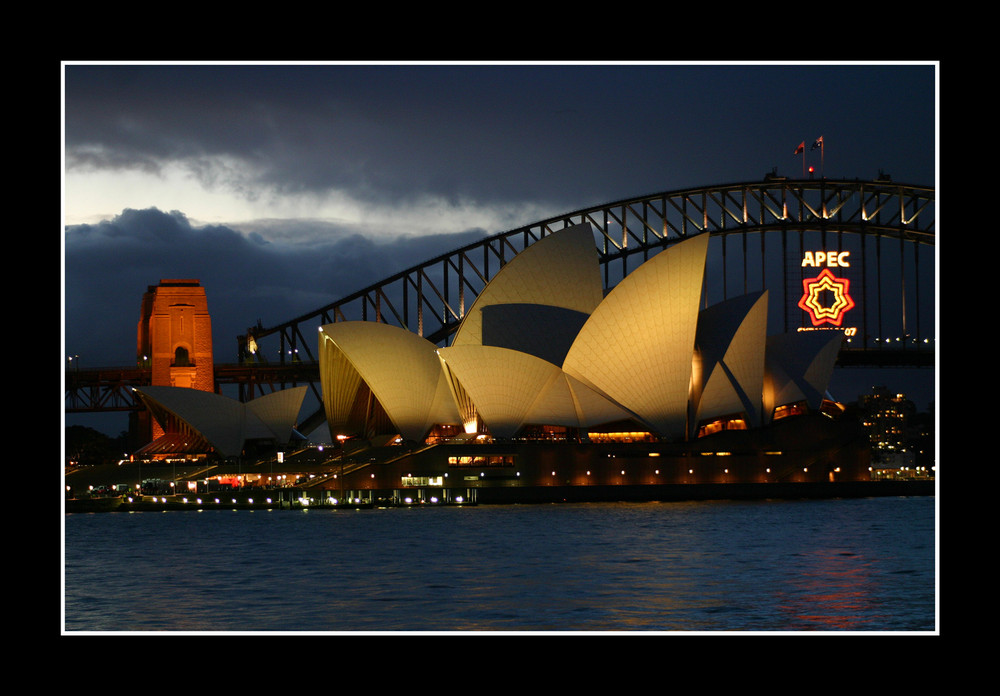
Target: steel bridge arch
x=431, y=298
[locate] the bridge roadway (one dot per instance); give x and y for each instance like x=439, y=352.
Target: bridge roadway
x=110, y=388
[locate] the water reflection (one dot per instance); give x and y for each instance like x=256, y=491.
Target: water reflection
x=780, y=566
x=831, y=590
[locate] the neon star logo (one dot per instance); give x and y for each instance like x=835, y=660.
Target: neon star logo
x=814, y=292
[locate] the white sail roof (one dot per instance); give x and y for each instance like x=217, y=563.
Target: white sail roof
x=730, y=338
x=637, y=346
x=511, y=389
x=401, y=368
x=799, y=367
x=559, y=270
x=225, y=423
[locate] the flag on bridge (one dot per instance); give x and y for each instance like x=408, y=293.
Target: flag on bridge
x=818, y=143
x=800, y=149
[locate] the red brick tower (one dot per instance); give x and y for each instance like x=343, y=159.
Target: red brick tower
x=175, y=338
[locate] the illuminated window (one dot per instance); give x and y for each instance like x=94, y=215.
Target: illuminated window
x=795, y=409
x=720, y=424
x=636, y=436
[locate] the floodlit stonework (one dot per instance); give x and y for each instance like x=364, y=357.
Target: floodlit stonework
x=174, y=340
x=175, y=335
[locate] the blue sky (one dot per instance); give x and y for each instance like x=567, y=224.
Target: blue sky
x=283, y=187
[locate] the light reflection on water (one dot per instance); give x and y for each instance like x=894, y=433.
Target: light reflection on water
x=836, y=565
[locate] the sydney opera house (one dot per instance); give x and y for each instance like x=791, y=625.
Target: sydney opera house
x=551, y=388
x=553, y=384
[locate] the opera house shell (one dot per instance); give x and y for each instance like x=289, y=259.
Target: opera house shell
x=206, y=420
x=545, y=346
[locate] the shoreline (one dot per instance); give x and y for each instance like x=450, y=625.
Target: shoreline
x=292, y=499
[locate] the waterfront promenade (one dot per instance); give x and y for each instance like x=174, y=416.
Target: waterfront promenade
x=296, y=499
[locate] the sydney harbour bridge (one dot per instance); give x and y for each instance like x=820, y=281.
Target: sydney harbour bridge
x=865, y=248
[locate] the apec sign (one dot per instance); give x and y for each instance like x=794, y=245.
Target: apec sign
x=825, y=297
x=832, y=259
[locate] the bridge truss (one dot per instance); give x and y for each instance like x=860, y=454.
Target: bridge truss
x=758, y=232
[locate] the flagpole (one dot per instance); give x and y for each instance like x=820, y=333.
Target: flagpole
x=822, y=153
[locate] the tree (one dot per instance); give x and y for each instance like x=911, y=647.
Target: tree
x=88, y=447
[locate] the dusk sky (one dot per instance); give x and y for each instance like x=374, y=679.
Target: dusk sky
x=284, y=187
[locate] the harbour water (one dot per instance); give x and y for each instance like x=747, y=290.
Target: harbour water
x=844, y=565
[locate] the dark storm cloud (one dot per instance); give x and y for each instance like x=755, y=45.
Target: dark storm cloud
x=570, y=135
x=109, y=266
